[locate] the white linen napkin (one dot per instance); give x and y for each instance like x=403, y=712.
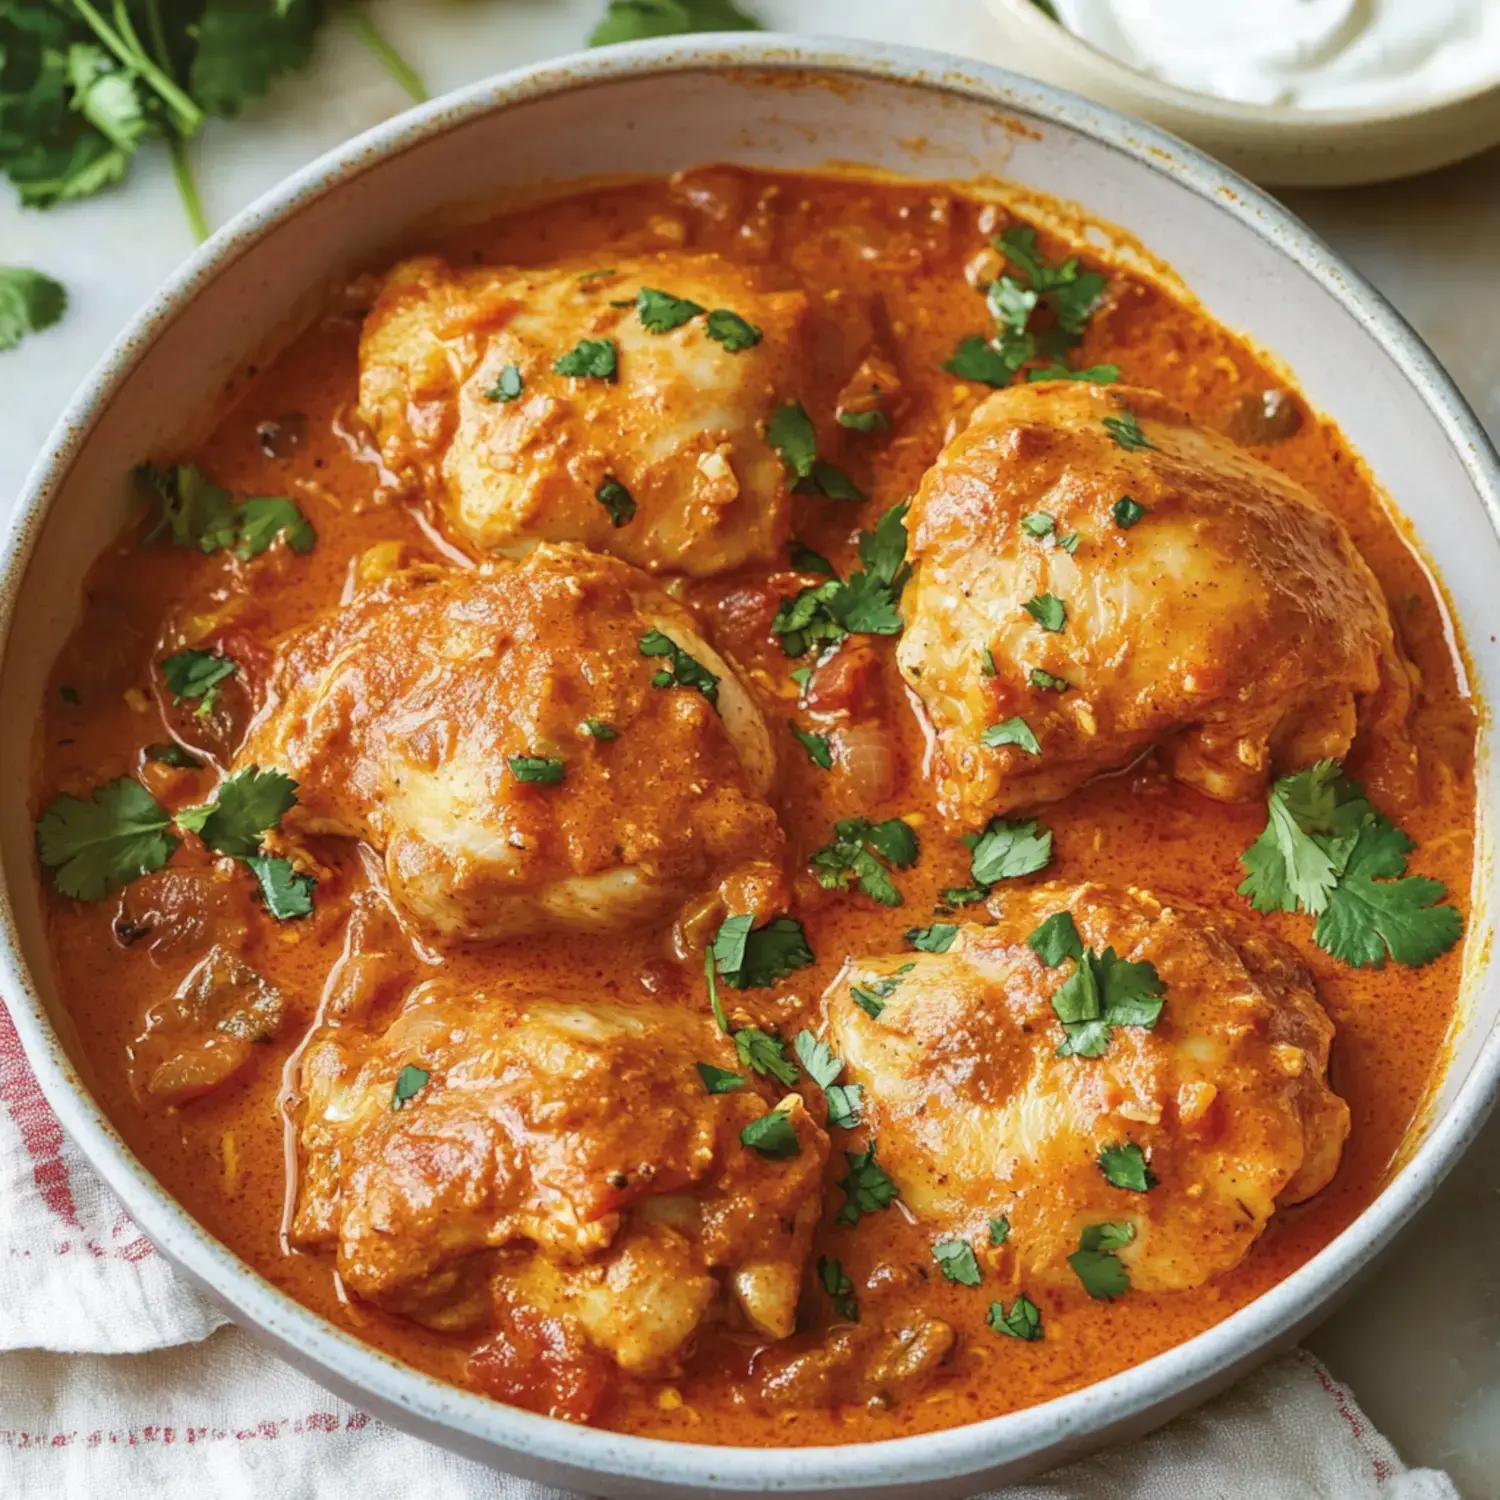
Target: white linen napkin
x=114, y=1382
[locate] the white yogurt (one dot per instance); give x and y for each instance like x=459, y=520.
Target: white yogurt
x=1314, y=54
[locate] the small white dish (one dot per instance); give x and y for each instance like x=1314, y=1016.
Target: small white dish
x=1275, y=145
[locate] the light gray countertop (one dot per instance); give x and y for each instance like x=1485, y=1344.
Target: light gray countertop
x=1420, y=1342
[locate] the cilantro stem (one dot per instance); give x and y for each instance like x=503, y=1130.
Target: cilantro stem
x=126, y=46
x=187, y=188
x=387, y=56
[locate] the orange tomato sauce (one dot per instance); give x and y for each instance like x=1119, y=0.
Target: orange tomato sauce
x=893, y=252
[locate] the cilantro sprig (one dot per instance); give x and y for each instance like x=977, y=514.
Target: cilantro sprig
x=867, y=1190
x=1327, y=851
x=864, y=853
x=835, y=1281
x=96, y=846
x=1103, y=992
x=824, y=1066
x=193, y=512
x=750, y=957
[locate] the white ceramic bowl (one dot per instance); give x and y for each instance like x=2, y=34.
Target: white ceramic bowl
x=653, y=108
x=1274, y=144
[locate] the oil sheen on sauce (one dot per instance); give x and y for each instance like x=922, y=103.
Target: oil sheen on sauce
x=850, y=242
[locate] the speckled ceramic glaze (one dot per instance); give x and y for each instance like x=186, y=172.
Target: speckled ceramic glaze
x=780, y=102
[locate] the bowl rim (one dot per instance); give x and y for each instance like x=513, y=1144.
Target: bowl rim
x=1262, y=120
x=466, y=1421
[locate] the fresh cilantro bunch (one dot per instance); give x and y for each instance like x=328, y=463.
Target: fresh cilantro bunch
x=1326, y=851
x=84, y=84
x=1064, y=294
x=866, y=604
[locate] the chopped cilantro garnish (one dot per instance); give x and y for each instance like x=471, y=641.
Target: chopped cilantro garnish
x=616, y=499
x=714, y=1003
x=819, y=752
x=597, y=729
x=958, y=1262
x=792, y=435
x=1015, y=731
x=720, y=1080
x=1105, y=991
x=595, y=275
x=1126, y=512
x=541, y=770
x=839, y=1287
x=246, y=807
x=750, y=957
x=764, y=1054
x=287, y=894
x=935, y=939
x=853, y=856
x=1023, y=1321
x=867, y=1189
x=1049, y=683
x=195, y=513
x=1096, y=1264
x=772, y=1135
x=964, y=895
x=1124, y=1166
x=196, y=674
x=987, y=662
x=1094, y=374
x=873, y=420
x=95, y=847
x=685, y=671
x=1038, y=523
x=1069, y=543
x=410, y=1082
x=732, y=331
x=660, y=312
x=508, y=385
x=990, y=362
x=1056, y=939
x=1327, y=851
x=1126, y=431
x=999, y=1230
x=1008, y=849
x=169, y=753
x=590, y=359
x=823, y=1066
x=1047, y=610
x=872, y=995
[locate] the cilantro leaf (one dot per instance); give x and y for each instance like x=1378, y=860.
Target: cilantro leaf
x=805, y=560
x=720, y=1080
x=1094, y=374
x=1095, y=1263
x=287, y=893
x=1103, y=992
x=732, y=331
x=1006, y=850
x=169, y=753
x=999, y=1230
x=819, y=752
x=988, y=363
x=866, y=1189
x=685, y=671
x=616, y=500
x=1023, y=1321
x=243, y=48
x=1125, y=1167
x=1015, y=732
x=1056, y=939
x=410, y=1082
x=1126, y=432
x=845, y=1100
x=1011, y=304
x=95, y=847
x=661, y=312
x=261, y=519
x=873, y=420
x=791, y=433
x=539, y=770
x=957, y=1261
x=246, y=807
x=853, y=855
x=590, y=359
x=765, y=1054
x=196, y=674
x=1127, y=512
x=195, y=513
x=935, y=939
x=29, y=302
x=1047, y=610
x=508, y=385
x=1048, y=682
x=750, y=957
x=635, y=20
x=839, y=1287
x=597, y=729
x=825, y=614
x=772, y=1135
x=1038, y=523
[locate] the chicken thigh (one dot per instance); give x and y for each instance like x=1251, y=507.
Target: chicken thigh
x=496, y=1160
x=1094, y=576
x=545, y=744
x=1182, y=1101
x=623, y=407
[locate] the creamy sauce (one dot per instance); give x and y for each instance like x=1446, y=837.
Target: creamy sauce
x=1311, y=54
